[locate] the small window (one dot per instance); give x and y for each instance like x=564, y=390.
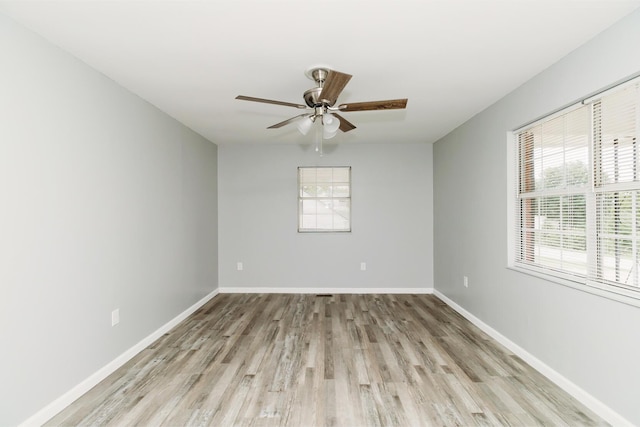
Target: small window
x=324, y=199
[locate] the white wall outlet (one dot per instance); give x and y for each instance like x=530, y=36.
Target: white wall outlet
x=466, y=282
x=115, y=317
x=240, y=266
x=363, y=266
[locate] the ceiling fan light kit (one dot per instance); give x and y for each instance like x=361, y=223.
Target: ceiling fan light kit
x=330, y=125
x=304, y=125
x=321, y=100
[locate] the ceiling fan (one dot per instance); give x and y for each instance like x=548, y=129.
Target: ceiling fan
x=321, y=101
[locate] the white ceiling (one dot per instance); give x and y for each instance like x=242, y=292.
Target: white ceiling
x=451, y=58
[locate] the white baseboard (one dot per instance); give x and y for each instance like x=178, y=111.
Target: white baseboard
x=274, y=290
x=581, y=395
x=55, y=407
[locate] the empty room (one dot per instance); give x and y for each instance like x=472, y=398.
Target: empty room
x=349, y=213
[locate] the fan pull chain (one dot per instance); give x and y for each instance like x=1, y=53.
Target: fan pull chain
x=319, y=139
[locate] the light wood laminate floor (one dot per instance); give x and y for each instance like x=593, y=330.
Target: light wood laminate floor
x=307, y=360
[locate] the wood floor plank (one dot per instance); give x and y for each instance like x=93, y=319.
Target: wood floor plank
x=330, y=360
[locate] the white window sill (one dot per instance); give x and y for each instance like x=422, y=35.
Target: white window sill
x=612, y=293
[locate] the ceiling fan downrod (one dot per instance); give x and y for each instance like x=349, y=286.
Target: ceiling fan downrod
x=312, y=96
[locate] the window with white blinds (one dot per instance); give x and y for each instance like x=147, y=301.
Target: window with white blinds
x=324, y=199
x=578, y=193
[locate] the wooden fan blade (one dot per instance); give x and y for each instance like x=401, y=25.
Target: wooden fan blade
x=333, y=86
x=391, y=104
x=286, y=122
x=345, y=125
x=270, y=101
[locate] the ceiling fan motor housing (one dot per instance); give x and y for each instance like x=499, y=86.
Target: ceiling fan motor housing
x=312, y=96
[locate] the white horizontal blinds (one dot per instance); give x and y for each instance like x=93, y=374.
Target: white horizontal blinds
x=617, y=186
x=553, y=180
x=526, y=205
x=324, y=198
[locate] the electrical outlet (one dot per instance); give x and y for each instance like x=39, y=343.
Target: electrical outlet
x=363, y=266
x=466, y=282
x=240, y=266
x=115, y=317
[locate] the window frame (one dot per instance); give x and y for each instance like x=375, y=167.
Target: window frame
x=300, y=200
x=592, y=282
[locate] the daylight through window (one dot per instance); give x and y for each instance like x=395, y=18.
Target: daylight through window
x=578, y=193
x=324, y=199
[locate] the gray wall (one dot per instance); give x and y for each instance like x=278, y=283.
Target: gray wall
x=392, y=227
x=590, y=340
x=106, y=203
